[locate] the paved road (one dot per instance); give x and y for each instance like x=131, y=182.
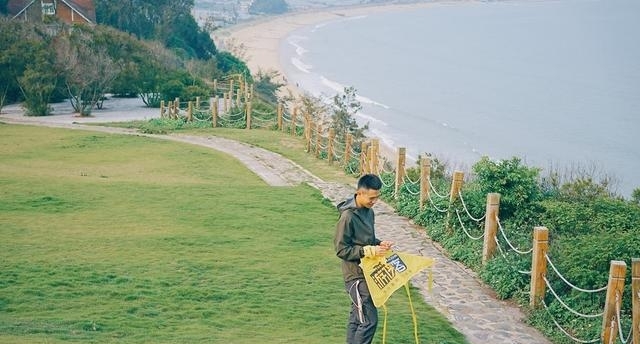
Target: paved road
x=457, y=292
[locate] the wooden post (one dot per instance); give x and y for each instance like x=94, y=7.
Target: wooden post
x=375, y=160
x=538, y=265
x=190, y=111
x=347, y=149
x=176, y=107
x=308, y=134
x=214, y=112
x=490, y=226
x=635, y=299
x=162, y=109
x=231, y=88
x=225, y=107
x=169, y=109
x=294, y=118
x=251, y=95
x=332, y=136
x=248, y=115
x=215, y=86
x=280, y=117
x=400, y=169
x=456, y=185
x=197, y=102
x=229, y=103
x=238, y=94
x=425, y=176
x=615, y=287
x=370, y=157
x=364, y=160
x=318, y=140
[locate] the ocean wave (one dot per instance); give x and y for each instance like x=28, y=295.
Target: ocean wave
x=303, y=67
x=371, y=119
x=363, y=99
x=338, y=87
x=295, y=42
x=321, y=25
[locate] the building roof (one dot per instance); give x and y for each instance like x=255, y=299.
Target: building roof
x=85, y=8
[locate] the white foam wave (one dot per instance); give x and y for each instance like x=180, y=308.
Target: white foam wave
x=371, y=119
x=303, y=67
x=295, y=42
x=366, y=100
x=336, y=86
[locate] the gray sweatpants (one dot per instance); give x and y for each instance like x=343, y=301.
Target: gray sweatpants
x=363, y=318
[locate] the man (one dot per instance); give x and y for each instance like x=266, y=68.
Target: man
x=355, y=238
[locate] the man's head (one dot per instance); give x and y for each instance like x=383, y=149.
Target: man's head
x=368, y=191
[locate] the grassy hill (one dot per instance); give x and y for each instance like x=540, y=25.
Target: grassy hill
x=109, y=238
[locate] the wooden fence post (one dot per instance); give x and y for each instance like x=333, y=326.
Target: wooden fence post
x=214, y=112
x=456, y=186
x=330, y=146
x=400, y=169
x=490, y=226
x=176, y=107
x=538, y=265
x=308, y=134
x=318, y=140
x=635, y=299
x=294, y=118
x=190, y=111
x=347, y=149
x=215, y=86
x=231, y=88
x=364, y=159
x=615, y=287
x=375, y=160
x=425, y=175
x=197, y=102
x=280, y=117
x=162, y=109
x=238, y=94
x=370, y=157
x=225, y=107
x=248, y=115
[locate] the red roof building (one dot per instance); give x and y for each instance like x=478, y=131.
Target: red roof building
x=68, y=11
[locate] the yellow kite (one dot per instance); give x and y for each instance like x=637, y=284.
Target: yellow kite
x=385, y=275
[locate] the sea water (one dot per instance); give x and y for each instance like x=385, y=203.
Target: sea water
x=556, y=83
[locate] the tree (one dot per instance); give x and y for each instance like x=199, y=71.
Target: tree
x=170, y=22
x=88, y=69
x=268, y=7
x=38, y=81
x=345, y=106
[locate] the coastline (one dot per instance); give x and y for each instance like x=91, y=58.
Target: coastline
x=258, y=42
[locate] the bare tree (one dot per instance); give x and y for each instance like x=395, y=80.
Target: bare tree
x=87, y=69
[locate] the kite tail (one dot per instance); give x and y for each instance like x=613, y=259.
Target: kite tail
x=413, y=314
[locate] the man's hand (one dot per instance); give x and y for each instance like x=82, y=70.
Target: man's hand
x=375, y=251
x=386, y=244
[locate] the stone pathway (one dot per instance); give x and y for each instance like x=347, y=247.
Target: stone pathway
x=457, y=292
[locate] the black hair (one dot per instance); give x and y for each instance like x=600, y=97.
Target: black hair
x=370, y=182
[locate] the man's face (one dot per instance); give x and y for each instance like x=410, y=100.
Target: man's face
x=367, y=197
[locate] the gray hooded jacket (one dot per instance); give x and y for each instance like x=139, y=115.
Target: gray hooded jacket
x=355, y=229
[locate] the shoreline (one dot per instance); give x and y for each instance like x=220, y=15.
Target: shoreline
x=257, y=42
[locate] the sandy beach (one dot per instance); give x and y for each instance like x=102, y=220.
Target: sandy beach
x=258, y=42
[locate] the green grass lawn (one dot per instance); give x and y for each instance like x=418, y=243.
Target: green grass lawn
x=125, y=239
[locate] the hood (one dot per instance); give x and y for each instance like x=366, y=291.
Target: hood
x=349, y=203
